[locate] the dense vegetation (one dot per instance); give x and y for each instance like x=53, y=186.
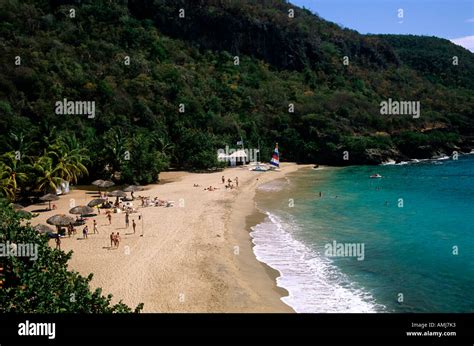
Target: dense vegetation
x=190, y=61
x=428, y=56
x=44, y=285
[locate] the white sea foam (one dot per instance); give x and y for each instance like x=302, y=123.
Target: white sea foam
x=389, y=163
x=314, y=283
x=273, y=185
x=414, y=161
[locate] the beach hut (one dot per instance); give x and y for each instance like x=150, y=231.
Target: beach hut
x=238, y=156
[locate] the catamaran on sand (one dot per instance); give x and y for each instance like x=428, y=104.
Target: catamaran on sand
x=274, y=164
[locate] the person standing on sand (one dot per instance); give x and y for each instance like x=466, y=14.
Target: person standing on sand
x=109, y=216
x=134, y=225
x=58, y=243
x=95, y=228
x=98, y=210
x=223, y=180
x=236, y=182
x=112, y=240
x=84, y=232
x=127, y=220
x=117, y=240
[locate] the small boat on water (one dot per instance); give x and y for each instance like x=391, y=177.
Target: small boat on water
x=375, y=176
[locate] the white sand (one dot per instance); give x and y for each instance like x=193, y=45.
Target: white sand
x=186, y=261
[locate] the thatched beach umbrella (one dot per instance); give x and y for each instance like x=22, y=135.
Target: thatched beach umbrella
x=118, y=194
x=103, y=183
x=43, y=229
x=16, y=206
x=24, y=213
x=81, y=210
x=97, y=182
x=106, y=184
x=133, y=188
x=96, y=202
x=49, y=197
x=60, y=220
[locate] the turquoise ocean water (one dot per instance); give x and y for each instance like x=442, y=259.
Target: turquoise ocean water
x=416, y=225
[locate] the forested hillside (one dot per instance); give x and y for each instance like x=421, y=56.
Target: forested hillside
x=191, y=61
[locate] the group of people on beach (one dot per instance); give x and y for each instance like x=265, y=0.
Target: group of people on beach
x=71, y=230
x=211, y=188
x=146, y=201
x=156, y=202
x=229, y=184
x=127, y=222
x=115, y=240
x=85, y=230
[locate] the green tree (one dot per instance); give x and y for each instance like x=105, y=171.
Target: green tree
x=6, y=188
x=47, y=177
x=20, y=142
x=44, y=284
x=68, y=159
x=12, y=171
x=146, y=162
x=115, y=147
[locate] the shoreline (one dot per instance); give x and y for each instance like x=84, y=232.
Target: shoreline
x=194, y=258
x=301, y=272
x=241, y=225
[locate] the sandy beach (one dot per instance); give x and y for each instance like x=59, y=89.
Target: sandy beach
x=194, y=257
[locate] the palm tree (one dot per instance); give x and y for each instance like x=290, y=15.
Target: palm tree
x=69, y=158
x=5, y=186
x=13, y=172
x=46, y=133
x=20, y=142
x=164, y=147
x=47, y=176
x=115, y=145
